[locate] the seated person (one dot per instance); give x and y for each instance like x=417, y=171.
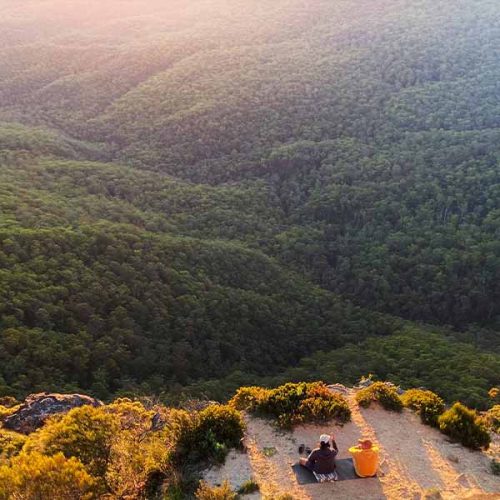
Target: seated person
x=365, y=457
x=321, y=461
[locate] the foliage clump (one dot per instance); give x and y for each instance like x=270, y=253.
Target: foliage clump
x=11, y=444
x=5, y=411
x=426, y=403
x=35, y=475
x=294, y=403
x=122, y=449
x=86, y=433
x=492, y=419
x=210, y=433
x=248, y=487
x=382, y=393
x=222, y=492
x=494, y=394
x=464, y=425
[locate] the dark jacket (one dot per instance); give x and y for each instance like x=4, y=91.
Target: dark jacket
x=322, y=461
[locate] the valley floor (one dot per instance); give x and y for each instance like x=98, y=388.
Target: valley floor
x=416, y=461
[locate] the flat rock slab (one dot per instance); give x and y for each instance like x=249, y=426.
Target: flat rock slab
x=37, y=408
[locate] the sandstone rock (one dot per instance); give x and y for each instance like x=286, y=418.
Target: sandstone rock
x=38, y=407
x=338, y=388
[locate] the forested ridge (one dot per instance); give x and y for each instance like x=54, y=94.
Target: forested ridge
x=203, y=190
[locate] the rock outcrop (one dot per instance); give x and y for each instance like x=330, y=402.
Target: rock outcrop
x=38, y=407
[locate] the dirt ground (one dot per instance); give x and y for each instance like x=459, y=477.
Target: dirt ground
x=416, y=461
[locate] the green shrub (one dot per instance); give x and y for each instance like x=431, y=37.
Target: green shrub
x=463, y=424
x=426, y=403
x=209, y=433
x=492, y=419
x=223, y=492
x=293, y=404
x=382, y=393
x=248, y=487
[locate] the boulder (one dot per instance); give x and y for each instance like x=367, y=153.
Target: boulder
x=38, y=407
x=338, y=388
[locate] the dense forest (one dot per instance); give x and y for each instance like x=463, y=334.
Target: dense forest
x=197, y=195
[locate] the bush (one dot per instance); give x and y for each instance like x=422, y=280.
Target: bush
x=209, y=433
x=463, y=424
x=9, y=402
x=382, y=393
x=293, y=404
x=426, y=403
x=223, y=492
x=11, y=444
x=5, y=411
x=139, y=458
x=493, y=393
x=33, y=475
x=248, y=487
x=492, y=419
x=85, y=433
x=249, y=398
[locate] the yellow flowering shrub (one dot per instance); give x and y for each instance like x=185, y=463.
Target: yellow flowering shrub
x=292, y=404
x=86, y=433
x=426, y=403
x=11, y=444
x=38, y=476
x=223, y=492
x=382, y=393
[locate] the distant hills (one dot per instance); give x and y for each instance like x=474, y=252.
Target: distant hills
x=204, y=190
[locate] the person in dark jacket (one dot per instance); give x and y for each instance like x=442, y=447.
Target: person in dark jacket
x=322, y=459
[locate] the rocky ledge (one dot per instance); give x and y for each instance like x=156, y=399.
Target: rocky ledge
x=38, y=407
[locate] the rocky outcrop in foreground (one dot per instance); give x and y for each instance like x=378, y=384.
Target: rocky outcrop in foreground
x=38, y=407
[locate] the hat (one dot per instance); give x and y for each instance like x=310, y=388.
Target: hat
x=324, y=438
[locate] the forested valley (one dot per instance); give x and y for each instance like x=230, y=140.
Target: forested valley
x=197, y=195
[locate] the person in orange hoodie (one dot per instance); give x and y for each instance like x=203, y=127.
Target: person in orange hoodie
x=365, y=457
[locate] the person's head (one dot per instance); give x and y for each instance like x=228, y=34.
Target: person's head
x=324, y=441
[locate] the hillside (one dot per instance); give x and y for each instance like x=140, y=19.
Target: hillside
x=200, y=195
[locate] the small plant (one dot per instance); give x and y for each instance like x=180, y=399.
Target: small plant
x=382, y=393
x=432, y=494
x=493, y=393
x=426, y=403
x=463, y=424
x=495, y=467
x=8, y=401
x=248, y=487
x=269, y=451
x=207, y=492
x=293, y=404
